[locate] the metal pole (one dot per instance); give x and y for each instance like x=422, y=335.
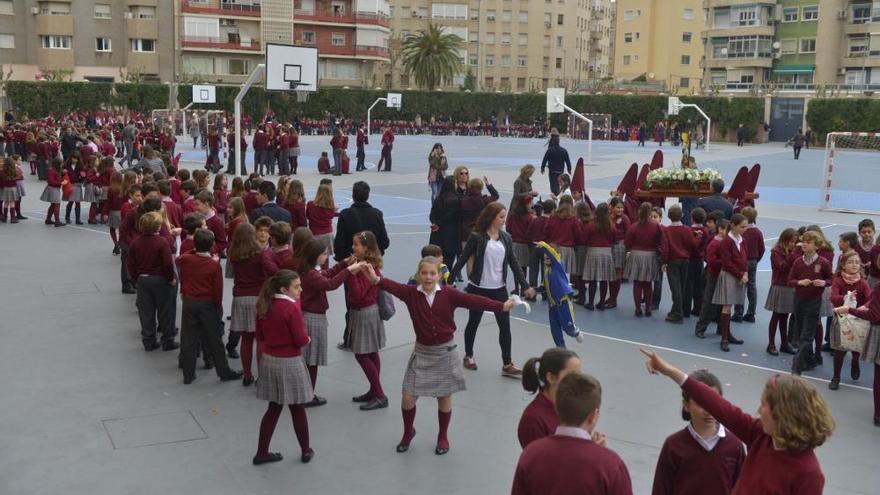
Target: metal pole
x=589, y=130
x=258, y=70
x=708, y=120
x=369, y=110
x=183, y=111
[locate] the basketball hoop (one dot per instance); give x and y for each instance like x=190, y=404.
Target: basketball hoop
x=302, y=96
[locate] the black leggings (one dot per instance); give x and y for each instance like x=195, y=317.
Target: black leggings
x=501, y=317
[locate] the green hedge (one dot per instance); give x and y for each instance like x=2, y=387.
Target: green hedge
x=856, y=115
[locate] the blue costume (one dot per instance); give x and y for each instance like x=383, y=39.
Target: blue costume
x=559, y=293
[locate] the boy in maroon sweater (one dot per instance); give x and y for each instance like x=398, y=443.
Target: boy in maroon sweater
x=693, y=290
x=676, y=248
x=702, y=458
x=150, y=264
x=753, y=240
x=201, y=288
x=204, y=204
x=536, y=232
x=589, y=468
x=809, y=275
x=711, y=312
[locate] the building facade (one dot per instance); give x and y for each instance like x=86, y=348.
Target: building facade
x=87, y=40
x=659, y=41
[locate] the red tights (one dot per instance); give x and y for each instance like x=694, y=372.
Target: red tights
x=603, y=291
x=247, y=353
x=780, y=319
x=838, y=362
x=54, y=210
x=270, y=419
x=642, y=292
x=371, y=365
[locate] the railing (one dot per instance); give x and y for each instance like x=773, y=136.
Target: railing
x=336, y=50
x=354, y=51
x=773, y=87
x=357, y=17
x=371, y=51
x=219, y=44
x=224, y=9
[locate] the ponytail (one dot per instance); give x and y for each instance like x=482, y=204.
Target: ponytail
x=272, y=286
x=553, y=361
x=531, y=382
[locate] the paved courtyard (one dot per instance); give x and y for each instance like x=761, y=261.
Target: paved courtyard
x=86, y=411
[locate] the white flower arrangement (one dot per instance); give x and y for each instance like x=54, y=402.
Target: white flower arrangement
x=666, y=177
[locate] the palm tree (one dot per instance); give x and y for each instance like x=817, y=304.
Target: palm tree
x=432, y=57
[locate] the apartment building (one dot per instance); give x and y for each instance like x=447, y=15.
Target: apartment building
x=659, y=41
x=87, y=40
x=512, y=45
x=223, y=40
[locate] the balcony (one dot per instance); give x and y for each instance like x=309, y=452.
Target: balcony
x=732, y=3
x=211, y=43
x=50, y=58
x=728, y=31
x=61, y=25
x=142, y=28
x=354, y=51
x=143, y=62
x=740, y=60
x=861, y=28
x=371, y=51
x=227, y=9
x=310, y=16
x=862, y=59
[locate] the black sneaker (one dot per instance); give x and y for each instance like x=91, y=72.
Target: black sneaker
x=170, y=345
x=749, y=318
x=316, y=402
x=231, y=376
x=151, y=346
x=736, y=318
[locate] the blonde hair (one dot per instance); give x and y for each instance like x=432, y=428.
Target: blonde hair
x=800, y=413
x=149, y=223
x=526, y=171
x=295, y=192
x=372, y=255
x=428, y=260
x=565, y=208
x=324, y=197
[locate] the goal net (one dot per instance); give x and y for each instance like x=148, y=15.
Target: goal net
x=577, y=128
x=851, y=174
x=168, y=118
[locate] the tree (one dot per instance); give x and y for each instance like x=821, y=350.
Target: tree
x=470, y=82
x=432, y=57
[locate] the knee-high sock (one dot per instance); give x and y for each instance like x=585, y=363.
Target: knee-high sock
x=818, y=338
x=649, y=294
x=409, y=418
x=93, y=211
x=247, y=353
x=313, y=374
x=443, y=418
x=77, y=210
x=637, y=294
x=113, y=236
x=18, y=207
x=876, y=390
x=615, y=290
x=581, y=288
x=376, y=361
x=267, y=427
x=592, y=291
x=783, y=328
x=56, y=209
x=603, y=291
x=369, y=368
x=67, y=210
x=771, y=329
x=838, y=363
x=300, y=426
x=725, y=327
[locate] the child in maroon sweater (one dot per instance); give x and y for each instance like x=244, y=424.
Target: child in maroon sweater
x=753, y=240
x=848, y=281
x=809, y=275
x=676, y=248
x=703, y=457
x=793, y=420
x=517, y=225
x=541, y=377
x=732, y=277
x=537, y=232
x=865, y=248
x=599, y=237
x=693, y=290
x=870, y=312
x=642, y=241
x=780, y=297
x=150, y=263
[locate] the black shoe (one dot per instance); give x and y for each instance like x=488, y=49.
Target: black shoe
x=786, y=349
x=375, y=404
x=231, y=376
x=59, y=224
x=736, y=318
x=834, y=384
x=819, y=359
x=674, y=319
x=855, y=372
x=639, y=313
x=21, y=217
x=601, y=306
x=733, y=340
x=232, y=353
x=188, y=379
x=749, y=318
x=272, y=457
x=316, y=402
x=367, y=397
x=48, y=221
x=247, y=381
x=116, y=250
x=724, y=347
x=771, y=349
x=342, y=346
x=128, y=290
x=647, y=313
x=441, y=450
x=151, y=346
x=170, y=345
x=876, y=420
x=826, y=347
x=700, y=335
x=589, y=306
x=209, y=364
x=655, y=307
x=79, y=222
x=306, y=457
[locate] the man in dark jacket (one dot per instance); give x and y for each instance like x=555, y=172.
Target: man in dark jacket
x=740, y=135
x=268, y=208
x=716, y=201
x=556, y=158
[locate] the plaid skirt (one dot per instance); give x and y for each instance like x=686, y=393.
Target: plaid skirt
x=227, y=272
x=580, y=256
x=315, y=354
x=618, y=252
x=367, y=330
x=434, y=371
x=568, y=258
x=327, y=241
x=599, y=265
x=728, y=290
x=780, y=299
x=114, y=219
x=284, y=380
x=101, y=193
x=872, y=348
x=77, y=195
x=641, y=266
x=295, y=151
x=827, y=309
x=20, y=186
x=9, y=194
x=51, y=195
x=521, y=253
x=244, y=314
x=89, y=194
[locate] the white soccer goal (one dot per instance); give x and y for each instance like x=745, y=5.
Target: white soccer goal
x=851, y=173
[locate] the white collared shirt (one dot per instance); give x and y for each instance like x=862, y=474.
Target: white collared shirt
x=283, y=296
x=205, y=255
x=736, y=240
x=709, y=444
x=429, y=295
x=210, y=214
x=574, y=431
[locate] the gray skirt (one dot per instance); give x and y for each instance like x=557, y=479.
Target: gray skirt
x=568, y=258
x=434, y=371
x=101, y=193
x=618, y=252
x=9, y=194
x=641, y=266
x=20, y=186
x=728, y=290
x=367, y=330
x=244, y=314
x=77, y=195
x=114, y=219
x=284, y=380
x=580, y=256
x=51, y=194
x=827, y=309
x=780, y=299
x=295, y=151
x=315, y=354
x=89, y=194
x=521, y=253
x=872, y=348
x=327, y=241
x=599, y=265
x=228, y=270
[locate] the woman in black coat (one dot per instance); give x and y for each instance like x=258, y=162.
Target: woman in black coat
x=446, y=218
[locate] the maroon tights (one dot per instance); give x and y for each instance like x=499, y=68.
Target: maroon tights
x=372, y=366
x=54, y=210
x=603, y=290
x=247, y=353
x=876, y=390
x=780, y=319
x=642, y=291
x=838, y=362
x=270, y=419
x=409, y=418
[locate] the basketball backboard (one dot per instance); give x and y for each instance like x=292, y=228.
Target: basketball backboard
x=394, y=100
x=204, y=94
x=674, y=105
x=555, y=100
x=291, y=68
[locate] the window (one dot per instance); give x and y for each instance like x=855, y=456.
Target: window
x=55, y=42
x=472, y=60
x=719, y=78
x=790, y=14
x=344, y=70
x=506, y=16
x=548, y=17
x=747, y=17
x=102, y=45
x=523, y=39
x=505, y=61
x=859, y=45
x=627, y=37
x=475, y=14
x=308, y=37
x=238, y=67
x=337, y=39
x=546, y=62
x=808, y=45
x=520, y=83
x=688, y=14
x=523, y=16
x=505, y=38
x=856, y=76
x=559, y=19
x=143, y=12
x=422, y=13
x=686, y=37
x=558, y=63
x=489, y=83
x=626, y=59
x=474, y=36
x=102, y=11
x=490, y=38
x=522, y=61
x=629, y=15
x=490, y=15
x=7, y=41
x=6, y=7
x=142, y=45
x=811, y=13
x=546, y=42
x=201, y=27
x=198, y=65
x=685, y=60
x=722, y=18
x=54, y=8
x=490, y=60
x=787, y=47
x=559, y=41
x=449, y=11
x=861, y=13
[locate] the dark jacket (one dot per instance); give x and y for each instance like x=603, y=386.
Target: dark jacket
x=271, y=210
x=716, y=202
x=522, y=189
x=446, y=214
x=476, y=247
x=358, y=217
x=556, y=157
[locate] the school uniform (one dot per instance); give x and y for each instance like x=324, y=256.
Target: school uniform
x=315, y=284
x=250, y=202
x=471, y=206
x=618, y=250
x=518, y=227
x=52, y=191
x=871, y=312
x=780, y=297
x=676, y=248
x=562, y=235
x=284, y=259
x=297, y=215
x=188, y=206
x=709, y=311
x=642, y=241
x=693, y=290
x=221, y=199
x=753, y=240
x=149, y=262
x=839, y=289
x=215, y=224
x=599, y=260
x=826, y=310
x=250, y=274
x=173, y=212
x=284, y=378
x=807, y=305
x=868, y=258
x=588, y=468
x=734, y=264
x=366, y=326
x=539, y=420
x=691, y=465
x=536, y=232
x=321, y=224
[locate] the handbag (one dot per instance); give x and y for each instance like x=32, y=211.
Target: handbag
x=853, y=332
x=386, y=305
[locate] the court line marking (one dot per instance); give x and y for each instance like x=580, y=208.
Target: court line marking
x=777, y=237
x=694, y=354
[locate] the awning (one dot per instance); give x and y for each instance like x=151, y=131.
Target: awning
x=794, y=69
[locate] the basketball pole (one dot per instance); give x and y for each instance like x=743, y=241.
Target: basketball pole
x=589, y=130
x=258, y=71
x=371, y=109
x=183, y=118
x=708, y=120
